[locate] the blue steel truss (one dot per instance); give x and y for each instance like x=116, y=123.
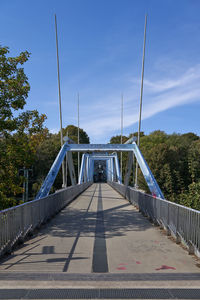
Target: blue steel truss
x=150, y=180
x=87, y=166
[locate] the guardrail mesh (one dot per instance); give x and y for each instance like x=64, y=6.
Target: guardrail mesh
x=17, y=221
x=181, y=221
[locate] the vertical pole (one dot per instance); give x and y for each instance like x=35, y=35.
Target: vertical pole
x=66, y=166
x=122, y=100
x=141, y=94
x=24, y=185
x=60, y=108
x=78, y=139
x=27, y=171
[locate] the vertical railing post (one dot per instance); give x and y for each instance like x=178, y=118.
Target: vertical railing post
x=22, y=220
x=178, y=237
x=168, y=220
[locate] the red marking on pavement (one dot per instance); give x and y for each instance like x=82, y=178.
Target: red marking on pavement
x=121, y=268
x=122, y=264
x=138, y=262
x=164, y=267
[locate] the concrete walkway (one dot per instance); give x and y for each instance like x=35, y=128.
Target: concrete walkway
x=99, y=240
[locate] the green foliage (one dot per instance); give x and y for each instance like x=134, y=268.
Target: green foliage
x=14, y=88
x=117, y=139
x=194, y=160
x=20, y=134
x=191, y=198
x=168, y=158
x=175, y=163
x=17, y=151
x=72, y=132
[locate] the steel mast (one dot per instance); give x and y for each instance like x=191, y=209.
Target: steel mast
x=141, y=94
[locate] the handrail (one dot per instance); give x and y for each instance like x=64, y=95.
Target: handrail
x=180, y=221
x=16, y=222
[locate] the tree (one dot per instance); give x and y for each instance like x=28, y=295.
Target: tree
x=175, y=163
x=191, y=198
x=136, y=134
x=194, y=160
x=167, y=156
x=20, y=134
x=18, y=151
x=117, y=139
x=72, y=132
x=14, y=88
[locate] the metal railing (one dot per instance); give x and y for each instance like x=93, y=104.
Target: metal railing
x=180, y=221
x=16, y=222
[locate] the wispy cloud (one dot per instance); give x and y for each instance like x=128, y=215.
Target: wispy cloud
x=103, y=117
x=189, y=77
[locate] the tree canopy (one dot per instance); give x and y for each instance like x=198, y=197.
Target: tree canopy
x=174, y=160
x=20, y=133
x=14, y=88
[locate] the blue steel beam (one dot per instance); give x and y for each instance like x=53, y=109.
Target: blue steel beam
x=49, y=180
x=109, y=169
x=119, y=180
x=81, y=173
x=101, y=147
x=151, y=182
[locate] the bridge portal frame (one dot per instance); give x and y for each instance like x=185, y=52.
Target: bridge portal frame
x=133, y=148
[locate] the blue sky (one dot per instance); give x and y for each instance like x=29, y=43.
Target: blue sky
x=100, y=46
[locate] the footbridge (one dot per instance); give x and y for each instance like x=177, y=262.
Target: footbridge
x=100, y=238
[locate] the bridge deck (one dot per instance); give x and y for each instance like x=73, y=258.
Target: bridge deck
x=100, y=232
x=101, y=247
